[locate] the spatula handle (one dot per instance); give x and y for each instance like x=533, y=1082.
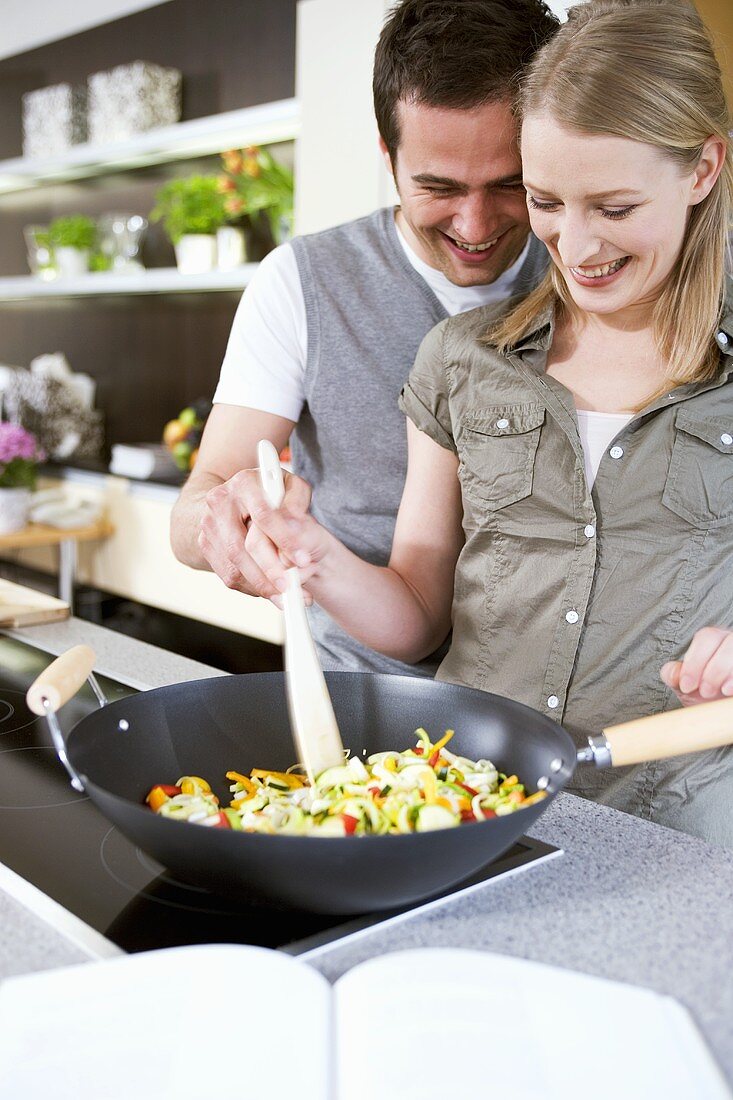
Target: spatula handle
x=687, y=729
x=271, y=473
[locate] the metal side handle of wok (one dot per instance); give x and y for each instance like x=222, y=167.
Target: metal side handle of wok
x=686, y=729
x=55, y=686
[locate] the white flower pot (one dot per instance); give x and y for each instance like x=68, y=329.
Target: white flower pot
x=196, y=253
x=14, y=508
x=229, y=248
x=72, y=262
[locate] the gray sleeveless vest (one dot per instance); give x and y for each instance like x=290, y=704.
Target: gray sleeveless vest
x=367, y=311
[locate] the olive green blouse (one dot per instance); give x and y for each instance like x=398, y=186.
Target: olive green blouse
x=567, y=598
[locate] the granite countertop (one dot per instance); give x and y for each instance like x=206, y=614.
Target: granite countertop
x=627, y=900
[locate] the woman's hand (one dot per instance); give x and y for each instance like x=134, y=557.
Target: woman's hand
x=706, y=670
x=278, y=539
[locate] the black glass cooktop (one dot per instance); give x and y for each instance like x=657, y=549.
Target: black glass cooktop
x=56, y=839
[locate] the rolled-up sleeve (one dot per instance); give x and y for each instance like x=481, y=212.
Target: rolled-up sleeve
x=424, y=397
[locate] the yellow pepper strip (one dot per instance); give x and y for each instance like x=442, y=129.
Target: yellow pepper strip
x=248, y=785
x=444, y=803
x=430, y=787
x=293, y=781
x=510, y=781
x=156, y=798
x=443, y=741
x=390, y=764
x=536, y=797
x=193, y=784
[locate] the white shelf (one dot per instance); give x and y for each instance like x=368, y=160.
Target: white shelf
x=260, y=125
x=160, y=280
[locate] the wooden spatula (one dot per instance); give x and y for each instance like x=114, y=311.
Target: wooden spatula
x=315, y=730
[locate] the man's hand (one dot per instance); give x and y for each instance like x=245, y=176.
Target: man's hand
x=225, y=523
x=706, y=670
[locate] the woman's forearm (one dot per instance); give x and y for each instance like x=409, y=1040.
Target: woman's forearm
x=377, y=606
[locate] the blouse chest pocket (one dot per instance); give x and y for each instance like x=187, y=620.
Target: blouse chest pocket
x=699, y=485
x=497, y=448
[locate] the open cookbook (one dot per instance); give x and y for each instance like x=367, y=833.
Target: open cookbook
x=196, y=1022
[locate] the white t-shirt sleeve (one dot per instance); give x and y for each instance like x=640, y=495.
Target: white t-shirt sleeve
x=264, y=364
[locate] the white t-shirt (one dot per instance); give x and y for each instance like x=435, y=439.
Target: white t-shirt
x=596, y=430
x=265, y=361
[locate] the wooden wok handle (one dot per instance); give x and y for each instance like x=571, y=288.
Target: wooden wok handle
x=61, y=680
x=687, y=729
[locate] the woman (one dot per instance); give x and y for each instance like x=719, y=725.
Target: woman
x=589, y=528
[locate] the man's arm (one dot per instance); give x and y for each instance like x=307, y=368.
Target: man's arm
x=208, y=523
x=263, y=368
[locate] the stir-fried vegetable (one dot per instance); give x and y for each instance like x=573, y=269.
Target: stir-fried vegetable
x=427, y=787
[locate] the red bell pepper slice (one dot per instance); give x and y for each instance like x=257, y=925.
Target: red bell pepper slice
x=350, y=823
x=470, y=790
x=222, y=821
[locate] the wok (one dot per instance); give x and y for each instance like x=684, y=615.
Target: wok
x=208, y=727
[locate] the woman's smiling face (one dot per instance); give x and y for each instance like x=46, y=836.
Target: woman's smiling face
x=611, y=211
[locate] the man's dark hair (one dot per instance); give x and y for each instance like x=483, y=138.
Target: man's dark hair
x=454, y=53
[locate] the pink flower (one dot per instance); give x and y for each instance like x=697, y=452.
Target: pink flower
x=16, y=442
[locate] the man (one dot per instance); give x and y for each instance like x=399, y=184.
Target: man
x=326, y=333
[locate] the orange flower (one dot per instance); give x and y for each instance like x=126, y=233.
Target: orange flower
x=234, y=205
x=232, y=161
x=251, y=167
x=225, y=184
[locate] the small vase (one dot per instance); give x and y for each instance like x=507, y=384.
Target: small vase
x=72, y=262
x=196, y=253
x=14, y=508
x=229, y=247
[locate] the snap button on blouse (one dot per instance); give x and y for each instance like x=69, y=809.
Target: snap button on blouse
x=503, y=423
x=553, y=702
x=589, y=531
x=722, y=339
x=616, y=452
x=572, y=617
x=726, y=439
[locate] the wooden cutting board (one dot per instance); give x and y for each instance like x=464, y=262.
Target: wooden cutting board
x=21, y=606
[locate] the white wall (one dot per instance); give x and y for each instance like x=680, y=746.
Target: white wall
x=338, y=167
x=25, y=24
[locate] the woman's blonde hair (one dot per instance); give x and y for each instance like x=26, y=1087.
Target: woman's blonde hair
x=644, y=70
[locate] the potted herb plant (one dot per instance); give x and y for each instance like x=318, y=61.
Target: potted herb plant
x=19, y=458
x=191, y=210
x=72, y=239
x=258, y=201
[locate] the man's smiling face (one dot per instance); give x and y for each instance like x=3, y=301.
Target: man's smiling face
x=459, y=178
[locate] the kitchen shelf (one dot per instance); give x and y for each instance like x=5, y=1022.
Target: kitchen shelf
x=259, y=125
x=159, y=280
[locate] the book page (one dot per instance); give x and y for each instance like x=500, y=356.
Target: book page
x=179, y=1024
x=424, y=1024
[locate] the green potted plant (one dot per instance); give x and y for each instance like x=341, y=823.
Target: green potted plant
x=191, y=210
x=258, y=201
x=19, y=458
x=72, y=239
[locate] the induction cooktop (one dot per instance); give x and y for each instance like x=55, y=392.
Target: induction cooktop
x=55, y=839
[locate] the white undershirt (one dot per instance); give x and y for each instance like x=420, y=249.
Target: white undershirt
x=597, y=430
x=265, y=361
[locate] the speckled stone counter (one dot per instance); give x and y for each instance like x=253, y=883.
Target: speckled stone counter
x=132, y=662
x=627, y=900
